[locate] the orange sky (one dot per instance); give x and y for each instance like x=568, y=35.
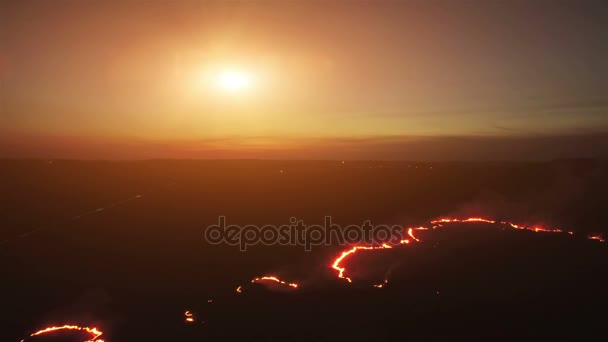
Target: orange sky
x=329, y=78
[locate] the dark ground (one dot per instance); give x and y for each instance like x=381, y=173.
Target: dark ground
x=134, y=268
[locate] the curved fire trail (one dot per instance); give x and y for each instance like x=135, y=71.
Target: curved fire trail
x=345, y=254
x=94, y=332
x=337, y=264
x=271, y=279
x=274, y=279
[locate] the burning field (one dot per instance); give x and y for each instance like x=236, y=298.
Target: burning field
x=123, y=257
x=270, y=291
x=338, y=264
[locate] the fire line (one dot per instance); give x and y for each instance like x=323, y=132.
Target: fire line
x=337, y=264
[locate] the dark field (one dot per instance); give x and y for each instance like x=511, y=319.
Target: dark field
x=135, y=259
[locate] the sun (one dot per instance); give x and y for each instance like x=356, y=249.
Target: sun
x=234, y=80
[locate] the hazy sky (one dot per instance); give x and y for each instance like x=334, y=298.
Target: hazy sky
x=328, y=79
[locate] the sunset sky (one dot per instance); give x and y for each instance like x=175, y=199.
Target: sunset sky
x=437, y=80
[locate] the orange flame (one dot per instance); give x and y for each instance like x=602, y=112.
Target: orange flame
x=410, y=232
x=535, y=229
x=470, y=219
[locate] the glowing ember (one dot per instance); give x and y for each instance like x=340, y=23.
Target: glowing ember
x=189, y=317
x=95, y=333
x=596, y=237
x=379, y=286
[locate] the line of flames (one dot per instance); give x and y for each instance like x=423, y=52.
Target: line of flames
x=438, y=223
x=93, y=331
x=269, y=278
x=275, y=279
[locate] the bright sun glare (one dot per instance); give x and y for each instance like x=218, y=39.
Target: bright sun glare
x=234, y=80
